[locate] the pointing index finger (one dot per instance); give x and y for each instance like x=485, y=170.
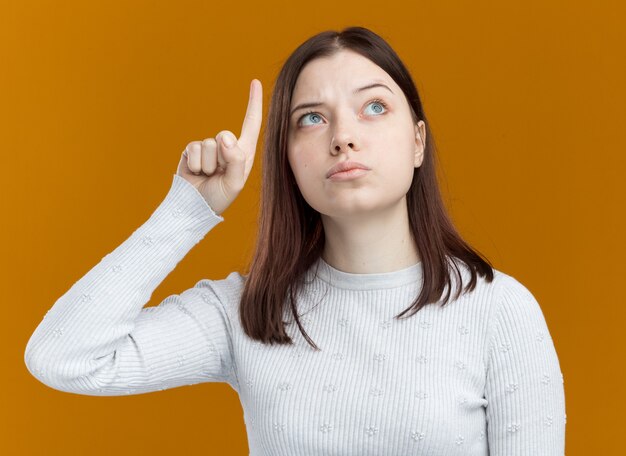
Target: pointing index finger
x=252, y=122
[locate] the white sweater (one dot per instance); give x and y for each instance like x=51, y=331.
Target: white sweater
x=479, y=376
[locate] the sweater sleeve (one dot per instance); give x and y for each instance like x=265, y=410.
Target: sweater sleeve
x=524, y=386
x=98, y=339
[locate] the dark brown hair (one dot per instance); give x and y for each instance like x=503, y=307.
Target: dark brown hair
x=290, y=233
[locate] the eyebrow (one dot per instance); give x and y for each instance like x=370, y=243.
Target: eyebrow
x=319, y=103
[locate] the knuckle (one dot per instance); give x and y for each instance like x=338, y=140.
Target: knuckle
x=222, y=132
x=208, y=169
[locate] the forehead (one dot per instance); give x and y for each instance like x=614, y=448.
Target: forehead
x=340, y=73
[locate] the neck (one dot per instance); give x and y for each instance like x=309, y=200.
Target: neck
x=380, y=243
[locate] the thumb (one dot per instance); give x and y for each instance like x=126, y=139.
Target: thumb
x=235, y=159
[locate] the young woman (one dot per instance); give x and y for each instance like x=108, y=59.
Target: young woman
x=365, y=325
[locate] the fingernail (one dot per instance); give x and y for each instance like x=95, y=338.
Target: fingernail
x=228, y=140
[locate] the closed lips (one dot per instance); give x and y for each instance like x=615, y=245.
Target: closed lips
x=345, y=166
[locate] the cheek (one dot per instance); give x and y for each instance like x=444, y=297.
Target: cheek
x=298, y=165
x=302, y=160
x=302, y=171
x=399, y=165
x=294, y=156
x=394, y=146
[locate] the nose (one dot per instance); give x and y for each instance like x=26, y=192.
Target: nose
x=341, y=146
x=344, y=138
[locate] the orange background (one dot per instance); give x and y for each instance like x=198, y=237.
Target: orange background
x=526, y=103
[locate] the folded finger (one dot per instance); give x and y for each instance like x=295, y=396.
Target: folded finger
x=209, y=156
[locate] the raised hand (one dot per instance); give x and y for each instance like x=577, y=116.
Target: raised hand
x=218, y=171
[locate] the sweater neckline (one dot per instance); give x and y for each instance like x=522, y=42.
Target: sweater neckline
x=371, y=281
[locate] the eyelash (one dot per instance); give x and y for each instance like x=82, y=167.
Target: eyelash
x=375, y=100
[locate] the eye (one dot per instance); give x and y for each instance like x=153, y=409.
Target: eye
x=314, y=114
x=379, y=103
x=374, y=102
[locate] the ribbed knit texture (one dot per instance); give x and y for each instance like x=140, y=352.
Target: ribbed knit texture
x=478, y=376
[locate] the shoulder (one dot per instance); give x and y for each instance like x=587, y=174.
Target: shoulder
x=503, y=286
x=509, y=286
x=480, y=288
x=516, y=309
x=503, y=297
x=512, y=293
x=226, y=291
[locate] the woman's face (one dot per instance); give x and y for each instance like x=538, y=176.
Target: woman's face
x=350, y=124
